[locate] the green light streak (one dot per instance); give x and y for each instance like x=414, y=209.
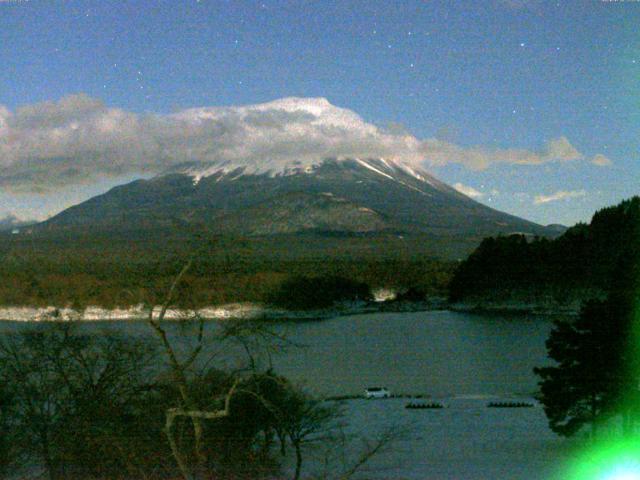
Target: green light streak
x=614, y=457
x=611, y=461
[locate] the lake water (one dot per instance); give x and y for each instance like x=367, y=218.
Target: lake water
x=460, y=359
x=464, y=441
x=438, y=353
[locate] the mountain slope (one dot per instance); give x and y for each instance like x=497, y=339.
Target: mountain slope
x=348, y=195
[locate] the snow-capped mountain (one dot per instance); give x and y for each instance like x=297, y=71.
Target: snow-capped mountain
x=231, y=171
x=353, y=195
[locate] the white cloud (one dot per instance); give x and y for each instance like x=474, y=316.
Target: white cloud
x=559, y=195
x=468, y=191
x=439, y=153
x=79, y=140
x=601, y=161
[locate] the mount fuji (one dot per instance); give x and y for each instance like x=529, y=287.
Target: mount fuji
x=348, y=196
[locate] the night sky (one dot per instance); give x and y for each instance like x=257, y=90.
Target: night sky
x=532, y=107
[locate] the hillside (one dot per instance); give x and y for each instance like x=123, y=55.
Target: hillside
x=583, y=262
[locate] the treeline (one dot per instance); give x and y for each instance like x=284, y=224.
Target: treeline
x=593, y=380
x=121, y=272
x=580, y=264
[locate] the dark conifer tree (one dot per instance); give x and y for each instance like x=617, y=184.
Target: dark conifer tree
x=597, y=375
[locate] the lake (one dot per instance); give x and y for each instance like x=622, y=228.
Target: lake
x=462, y=360
x=439, y=353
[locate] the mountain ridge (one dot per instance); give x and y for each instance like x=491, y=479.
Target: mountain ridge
x=349, y=195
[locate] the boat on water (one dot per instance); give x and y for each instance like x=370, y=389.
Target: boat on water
x=423, y=406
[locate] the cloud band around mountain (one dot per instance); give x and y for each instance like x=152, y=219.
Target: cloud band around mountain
x=468, y=190
x=79, y=140
x=559, y=195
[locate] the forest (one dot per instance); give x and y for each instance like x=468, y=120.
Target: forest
x=123, y=269
x=580, y=264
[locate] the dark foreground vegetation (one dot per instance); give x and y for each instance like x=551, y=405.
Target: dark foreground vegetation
x=594, y=379
x=597, y=364
x=75, y=406
x=125, y=269
x=580, y=264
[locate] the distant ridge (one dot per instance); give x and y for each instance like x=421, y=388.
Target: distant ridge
x=12, y=222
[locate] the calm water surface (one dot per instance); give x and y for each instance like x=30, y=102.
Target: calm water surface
x=460, y=359
x=438, y=353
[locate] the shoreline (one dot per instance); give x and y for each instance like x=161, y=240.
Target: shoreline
x=234, y=311
x=253, y=311
x=515, y=308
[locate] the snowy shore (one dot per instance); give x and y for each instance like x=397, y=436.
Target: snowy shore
x=259, y=311
x=219, y=312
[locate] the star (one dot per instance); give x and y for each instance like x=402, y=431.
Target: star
x=522, y=44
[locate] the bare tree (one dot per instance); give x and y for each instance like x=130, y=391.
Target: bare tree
x=9, y=435
x=70, y=391
x=306, y=420
x=180, y=367
x=347, y=455
x=296, y=417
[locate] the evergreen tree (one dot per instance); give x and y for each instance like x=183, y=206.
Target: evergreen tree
x=598, y=357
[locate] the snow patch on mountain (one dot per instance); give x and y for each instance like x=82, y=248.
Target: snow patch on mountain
x=230, y=171
x=371, y=167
